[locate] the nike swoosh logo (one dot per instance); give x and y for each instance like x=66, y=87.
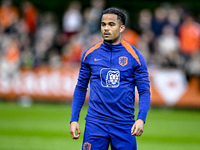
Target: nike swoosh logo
x=97, y=59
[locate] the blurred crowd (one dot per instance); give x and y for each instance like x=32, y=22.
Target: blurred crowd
x=168, y=36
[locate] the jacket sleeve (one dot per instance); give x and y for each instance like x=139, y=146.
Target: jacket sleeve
x=80, y=91
x=142, y=82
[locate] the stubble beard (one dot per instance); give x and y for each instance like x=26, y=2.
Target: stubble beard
x=110, y=41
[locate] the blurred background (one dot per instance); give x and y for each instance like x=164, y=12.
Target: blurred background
x=41, y=44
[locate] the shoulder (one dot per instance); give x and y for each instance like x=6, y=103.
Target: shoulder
x=133, y=51
x=90, y=50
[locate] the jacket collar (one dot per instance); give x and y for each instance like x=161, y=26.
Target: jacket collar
x=110, y=47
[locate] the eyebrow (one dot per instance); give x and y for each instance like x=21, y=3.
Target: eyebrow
x=108, y=22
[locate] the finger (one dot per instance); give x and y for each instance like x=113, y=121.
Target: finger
x=139, y=133
x=76, y=136
x=79, y=132
x=73, y=132
x=135, y=131
x=132, y=129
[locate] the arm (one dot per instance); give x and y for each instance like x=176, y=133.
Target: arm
x=78, y=99
x=143, y=86
x=77, y=103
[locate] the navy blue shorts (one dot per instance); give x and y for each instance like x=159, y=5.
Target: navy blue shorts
x=97, y=136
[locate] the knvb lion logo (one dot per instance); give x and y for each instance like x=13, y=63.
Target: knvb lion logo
x=110, y=77
x=123, y=61
x=86, y=146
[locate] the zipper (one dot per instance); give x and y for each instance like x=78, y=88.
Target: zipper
x=111, y=56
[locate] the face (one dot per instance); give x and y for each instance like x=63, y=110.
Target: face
x=111, y=29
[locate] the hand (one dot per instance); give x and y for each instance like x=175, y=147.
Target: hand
x=75, y=130
x=137, y=128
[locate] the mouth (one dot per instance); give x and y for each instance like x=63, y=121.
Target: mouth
x=106, y=34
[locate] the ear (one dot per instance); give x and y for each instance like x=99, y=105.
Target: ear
x=122, y=28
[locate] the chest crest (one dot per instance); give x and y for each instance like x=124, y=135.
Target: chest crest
x=123, y=61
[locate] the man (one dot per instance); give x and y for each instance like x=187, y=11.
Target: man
x=113, y=68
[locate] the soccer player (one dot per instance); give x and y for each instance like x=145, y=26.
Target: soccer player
x=114, y=68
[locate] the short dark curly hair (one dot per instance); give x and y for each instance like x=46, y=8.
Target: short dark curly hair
x=121, y=15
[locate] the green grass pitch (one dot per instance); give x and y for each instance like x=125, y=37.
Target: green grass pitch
x=45, y=126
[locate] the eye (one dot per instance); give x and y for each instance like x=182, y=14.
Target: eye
x=112, y=24
x=103, y=24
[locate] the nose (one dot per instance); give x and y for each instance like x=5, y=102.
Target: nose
x=106, y=28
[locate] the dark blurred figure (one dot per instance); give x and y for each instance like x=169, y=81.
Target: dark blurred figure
x=159, y=20
x=144, y=20
x=10, y=57
x=9, y=15
x=45, y=38
x=30, y=16
x=189, y=35
x=92, y=15
x=167, y=45
x=174, y=18
x=72, y=20
x=192, y=67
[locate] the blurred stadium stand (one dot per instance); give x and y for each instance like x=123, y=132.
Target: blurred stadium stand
x=41, y=44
